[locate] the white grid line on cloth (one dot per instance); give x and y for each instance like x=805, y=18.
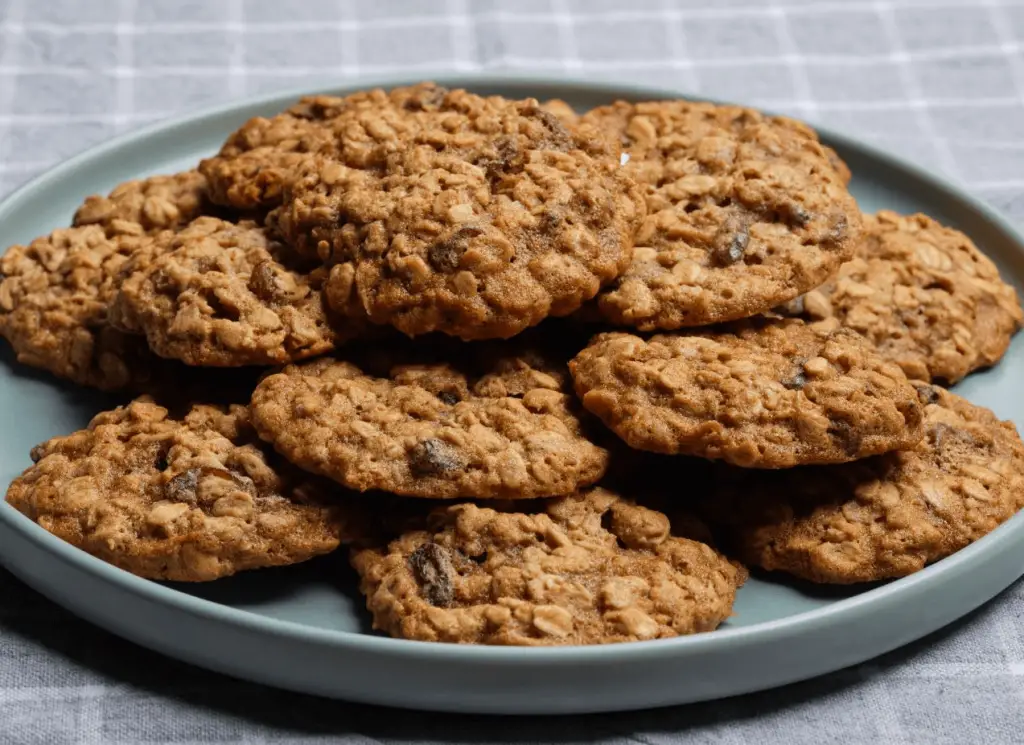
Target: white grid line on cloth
x=505, y=16
x=349, y=43
x=570, y=58
x=676, y=35
x=881, y=705
x=237, y=80
x=15, y=10
x=1012, y=183
x=1008, y=48
x=462, y=40
x=125, y=72
x=910, y=86
x=795, y=63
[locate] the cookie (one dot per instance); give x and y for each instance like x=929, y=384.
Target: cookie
x=923, y=295
x=148, y=205
x=765, y=395
x=501, y=427
x=838, y=164
x=883, y=517
x=177, y=499
x=485, y=217
x=591, y=568
x=744, y=211
x=561, y=110
x=258, y=160
x=216, y=294
x=55, y=298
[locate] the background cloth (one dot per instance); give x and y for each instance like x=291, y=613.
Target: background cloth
x=938, y=81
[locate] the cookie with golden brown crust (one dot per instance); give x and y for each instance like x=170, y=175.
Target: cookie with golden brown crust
x=838, y=164
x=220, y=294
x=561, y=110
x=55, y=298
x=177, y=499
x=760, y=395
x=259, y=159
x=147, y=205
x=744, y=211
x=923, y=295
x=501, y=427
x=883, y=517
x=590, y=568
x=483, y=217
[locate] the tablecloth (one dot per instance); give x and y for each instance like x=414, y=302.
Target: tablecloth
x=938, y=81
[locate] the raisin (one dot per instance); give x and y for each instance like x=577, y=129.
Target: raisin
x=432, y=568
x=837, y=231
x=182, y=488
x=560, y=138
x=794, y=214
x=263, y=281
x=848, y=437
x=37, y=452
x=730, y=243
x=926, y=393
x=434, y=457
x=445, y=255
x=448, y=397
x=797, y=382
x=507, y=158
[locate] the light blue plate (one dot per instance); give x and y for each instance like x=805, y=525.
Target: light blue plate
x=304, y=628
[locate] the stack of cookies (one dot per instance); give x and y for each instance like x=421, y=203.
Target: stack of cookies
x=550, y=378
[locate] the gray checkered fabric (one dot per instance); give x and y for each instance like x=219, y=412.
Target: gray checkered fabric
x=938, y=81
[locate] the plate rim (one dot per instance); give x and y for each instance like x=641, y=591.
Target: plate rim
x=861, y=605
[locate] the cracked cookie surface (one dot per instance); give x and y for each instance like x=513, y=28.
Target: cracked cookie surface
x=883, y=517
x=264, y=155
x=477, y=218
x=147, y=205
x=763, y=395
x=55, y=300
x=218, y=294
x=923, y=295
x=590, y=568
x=744, y=211
x=502, y=427
x=178, y=499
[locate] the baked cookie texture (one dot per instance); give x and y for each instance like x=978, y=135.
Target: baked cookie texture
x=219, y=294
x=761, y=395
x=477, y=218
x=923, y=295
x=147, y=205
x=744, y=211
x=838, y=164
x=502, y=426
x=55, y=298
x=883, y=517
x=562, y=110
x=590, y=568
x=259, y=159
x=190, y=499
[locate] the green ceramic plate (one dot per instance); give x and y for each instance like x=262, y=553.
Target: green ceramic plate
x=304, y=627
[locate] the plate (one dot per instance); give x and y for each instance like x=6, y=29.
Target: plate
x=304, y=628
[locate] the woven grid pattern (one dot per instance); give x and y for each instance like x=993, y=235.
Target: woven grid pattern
x=938, y=81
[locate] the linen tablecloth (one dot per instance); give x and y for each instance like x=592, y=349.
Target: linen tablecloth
x=940, y=82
